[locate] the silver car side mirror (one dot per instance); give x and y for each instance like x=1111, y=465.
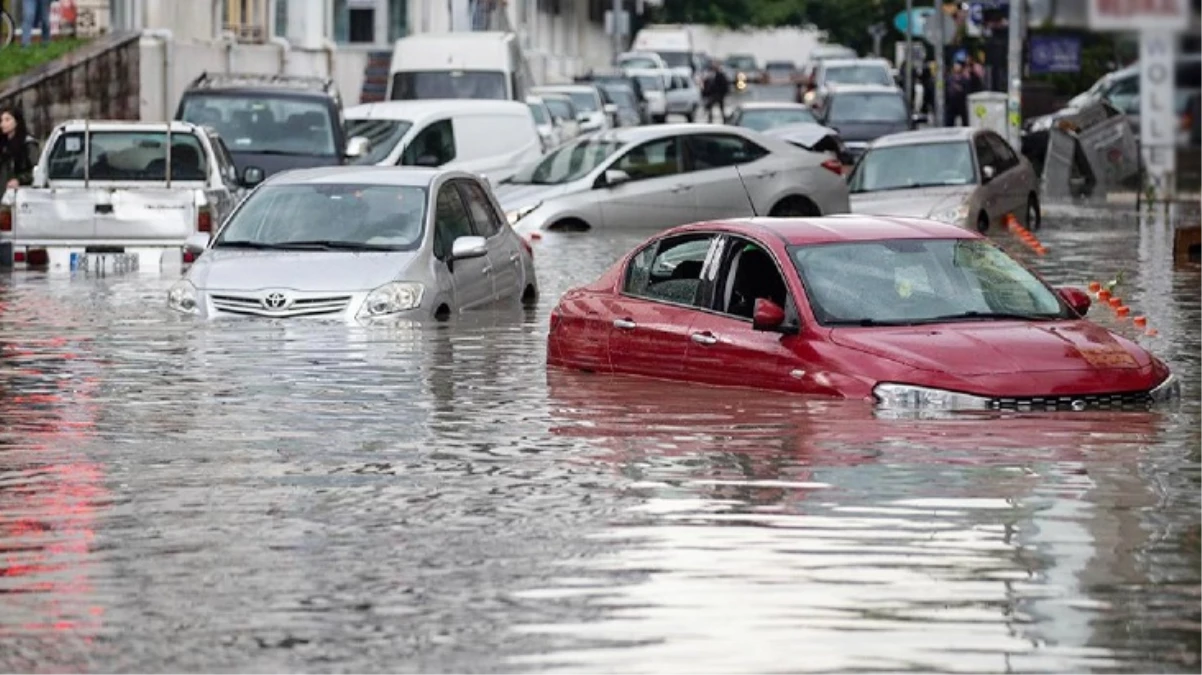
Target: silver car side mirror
x=466, y=248
x=987, y=173
x=357, y=146
x=196, y=243
x=616, y=177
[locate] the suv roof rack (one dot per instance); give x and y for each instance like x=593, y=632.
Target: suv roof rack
x=208, y=80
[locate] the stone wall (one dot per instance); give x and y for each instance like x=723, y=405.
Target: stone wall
x=97, y=81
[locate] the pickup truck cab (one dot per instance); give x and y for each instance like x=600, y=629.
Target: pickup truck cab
x=119, y=195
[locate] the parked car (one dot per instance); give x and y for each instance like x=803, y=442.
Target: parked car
x=564, y=112
x=911, y=314
x=683, y=97
x=623, y=97
x=780, y=72
x=272, y=122
x=813, y=137
x=621, y=79
x=764, y=115
x=665, y=175
x=743, y=69
x=864, y=113
x=829, y=73
x=544, y=121
x=653, y=84
x=115, y=194
x=590, y=108
x=963, y=176
x=362, y=245
x=482, y=136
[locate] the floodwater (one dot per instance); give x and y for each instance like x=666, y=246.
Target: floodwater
x=259, y=496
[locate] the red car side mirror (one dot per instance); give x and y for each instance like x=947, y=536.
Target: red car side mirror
x=1076, y=298
x=767, y=315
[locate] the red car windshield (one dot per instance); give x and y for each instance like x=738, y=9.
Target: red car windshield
x=915, y=281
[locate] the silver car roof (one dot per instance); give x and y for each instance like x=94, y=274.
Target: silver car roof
x=939, y=135
x=400, y=176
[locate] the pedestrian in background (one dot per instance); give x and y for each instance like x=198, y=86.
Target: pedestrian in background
x=18, y=150
x=35, y=12
x=955, y=109
x=715, y=90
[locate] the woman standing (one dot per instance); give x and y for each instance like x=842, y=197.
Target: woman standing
x=18, y=150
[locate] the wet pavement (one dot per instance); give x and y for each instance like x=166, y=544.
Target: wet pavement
x=259, y=496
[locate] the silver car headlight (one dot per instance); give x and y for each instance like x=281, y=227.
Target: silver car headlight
x=393, y=297
x=953, y=216
x=1167, y=391
x=912, y=397
x=517, y=214
x=182, y=297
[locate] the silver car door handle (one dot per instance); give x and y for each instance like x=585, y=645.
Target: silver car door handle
x=704, y=339
x=766, y=174
x=513, y=257
x=682, y=188
x=486, y=270
x=625, y=324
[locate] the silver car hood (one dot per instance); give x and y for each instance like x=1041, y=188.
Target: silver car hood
x=916, y=203
x=519, y=196
x=242, y=270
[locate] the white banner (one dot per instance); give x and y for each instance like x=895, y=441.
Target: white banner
x=1157, y=117
x=1138, y=15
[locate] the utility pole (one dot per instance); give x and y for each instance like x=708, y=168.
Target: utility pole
x=940, y=85
x=1014, y=72
x=908, y=62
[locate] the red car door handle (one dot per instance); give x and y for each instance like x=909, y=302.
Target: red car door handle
x=704, y=338
x=625, y=324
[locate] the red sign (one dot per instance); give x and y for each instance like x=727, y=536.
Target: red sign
x=1128, y=15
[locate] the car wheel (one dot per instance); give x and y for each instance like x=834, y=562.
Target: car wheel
x=794, y=207
x=693, y=114
x=529, y=297
x=982, y=223
x=1034, y=215
x=569, y=225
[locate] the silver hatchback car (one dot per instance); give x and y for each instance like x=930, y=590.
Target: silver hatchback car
x=363, y=245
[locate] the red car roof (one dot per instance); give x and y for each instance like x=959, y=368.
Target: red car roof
x=838, y=228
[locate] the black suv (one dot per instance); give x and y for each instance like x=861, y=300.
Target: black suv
x=271, y=123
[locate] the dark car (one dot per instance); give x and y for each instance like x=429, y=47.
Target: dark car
x=863, y=113
x=620, y=78
x=272, y=123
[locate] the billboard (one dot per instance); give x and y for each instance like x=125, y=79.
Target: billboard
x=1138, y=15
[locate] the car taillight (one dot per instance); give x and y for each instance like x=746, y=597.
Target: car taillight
x=204, y=220
x=834, y=166
x=6, y=220
x=18, y=256
x=189, y=257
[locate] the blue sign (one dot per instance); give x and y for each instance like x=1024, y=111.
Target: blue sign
x=1055, y=54
x=915, y=21
x=976, y=13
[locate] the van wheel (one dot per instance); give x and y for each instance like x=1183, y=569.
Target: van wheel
x=569, y=225
x=794, y=207
x=982, y=223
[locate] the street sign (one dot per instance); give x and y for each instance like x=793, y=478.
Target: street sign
x=1055, y=54
x=1138, y=15
x=914, y=21
x=930, y=30
x=1158, y=118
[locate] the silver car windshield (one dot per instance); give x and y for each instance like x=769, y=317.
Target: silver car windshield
x=650, y=82
x=914, y=281
x=383, y=135
x=760, y=120
x=570, y=162
x=329, y=216
x=848, y=107
x=539, y=113
x=903, y=167
x=584, y=101
x=859, y=75
x=266, y=124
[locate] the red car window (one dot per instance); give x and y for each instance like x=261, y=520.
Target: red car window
x=669, y=270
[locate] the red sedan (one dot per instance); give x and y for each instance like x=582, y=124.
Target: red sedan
x=911, y=313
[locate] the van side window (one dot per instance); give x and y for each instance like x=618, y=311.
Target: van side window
x=433, y=146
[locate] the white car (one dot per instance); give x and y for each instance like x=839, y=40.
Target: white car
x=654, y=84
x=591, y=111
x=683, y=97
x=659, y=176
x=544, y=121
x=484, y=137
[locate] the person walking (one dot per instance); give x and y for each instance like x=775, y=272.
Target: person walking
x=18, y=150
x=716, y=88
x=35, y=12
x=956, y=109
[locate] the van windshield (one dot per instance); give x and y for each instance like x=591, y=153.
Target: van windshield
x=277, y=125
x=427, y=84
x=382, y=134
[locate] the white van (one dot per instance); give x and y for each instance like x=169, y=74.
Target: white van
x=673, y=43
x=482, y=65
x=494, y=138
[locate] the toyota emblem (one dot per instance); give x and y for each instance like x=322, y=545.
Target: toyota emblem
x=275, y=301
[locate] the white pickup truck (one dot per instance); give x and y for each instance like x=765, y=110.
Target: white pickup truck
x=115, y=196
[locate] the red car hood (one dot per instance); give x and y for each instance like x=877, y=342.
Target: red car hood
x=998, y=347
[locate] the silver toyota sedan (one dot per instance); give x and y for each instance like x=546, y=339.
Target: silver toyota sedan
x=362, y=245
x=660, y=176
x=960, y=175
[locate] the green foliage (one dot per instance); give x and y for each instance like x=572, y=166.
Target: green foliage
x=16, y=60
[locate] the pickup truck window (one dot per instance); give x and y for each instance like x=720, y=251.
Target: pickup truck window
x=275, y=125
x=126, y=156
